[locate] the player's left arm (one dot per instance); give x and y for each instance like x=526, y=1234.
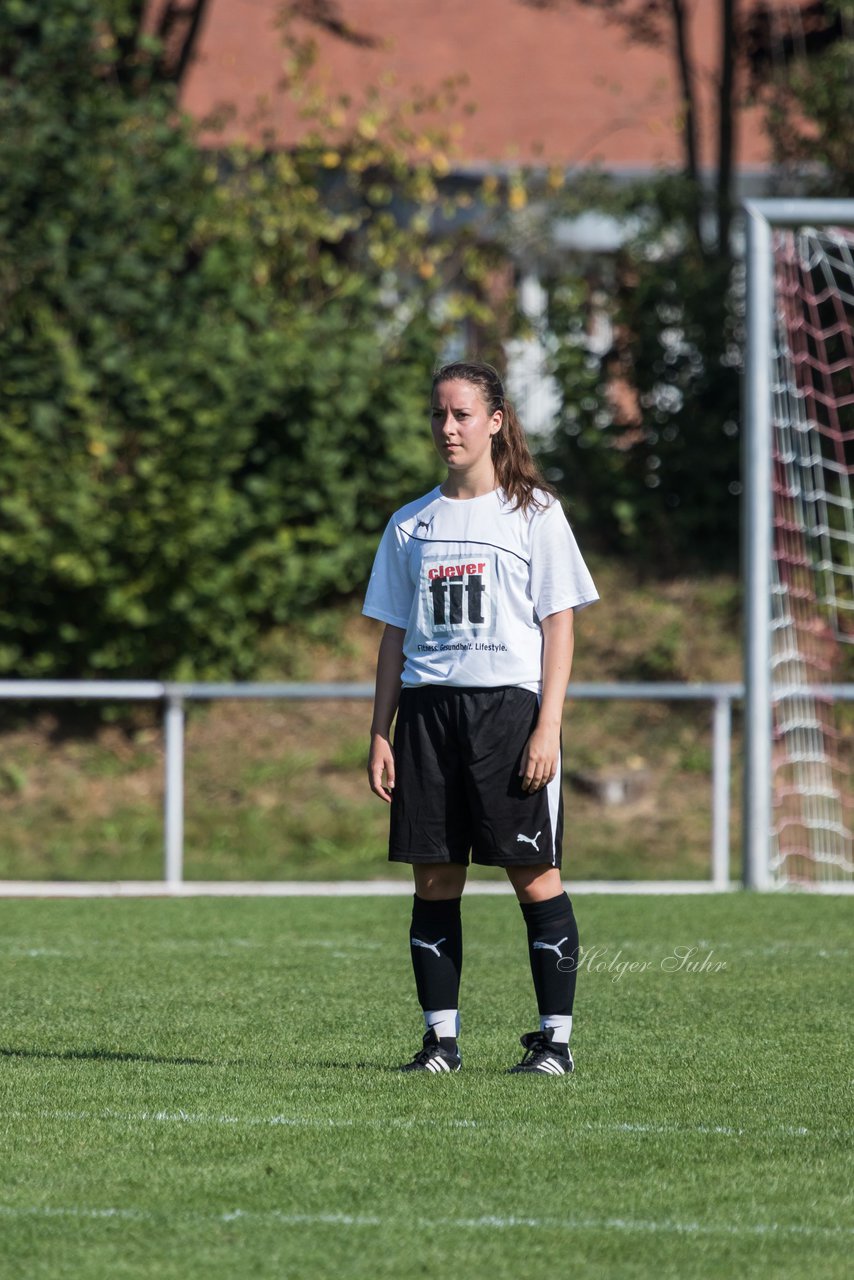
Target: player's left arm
x=542, y=750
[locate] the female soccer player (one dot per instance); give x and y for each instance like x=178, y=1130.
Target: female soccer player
x=477, y=583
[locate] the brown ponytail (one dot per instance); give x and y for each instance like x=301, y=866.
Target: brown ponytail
x=515, y=469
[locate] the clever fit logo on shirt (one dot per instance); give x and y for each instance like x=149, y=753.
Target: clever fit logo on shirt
x=456, y=596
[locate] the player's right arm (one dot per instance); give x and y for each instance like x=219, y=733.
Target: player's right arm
x=386, y=696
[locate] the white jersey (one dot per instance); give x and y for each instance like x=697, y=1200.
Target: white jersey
x=470, y=581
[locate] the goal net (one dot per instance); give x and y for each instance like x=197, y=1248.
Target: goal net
x=812, y=556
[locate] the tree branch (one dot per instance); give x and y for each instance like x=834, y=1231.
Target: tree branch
x=127, y=45
x=686, y=86
x=326, y=14
x=689, y=111
x=178, y=29
x=726, y=124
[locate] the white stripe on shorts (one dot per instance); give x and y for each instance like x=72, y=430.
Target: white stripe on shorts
x=553, y=790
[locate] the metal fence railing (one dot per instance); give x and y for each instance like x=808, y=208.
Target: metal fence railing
x=174, y=697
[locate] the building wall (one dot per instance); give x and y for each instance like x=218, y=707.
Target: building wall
x=561, y=86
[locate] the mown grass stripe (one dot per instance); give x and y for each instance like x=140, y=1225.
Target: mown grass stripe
x=487, y=1222
x=242, y=1097
x=332, y=1122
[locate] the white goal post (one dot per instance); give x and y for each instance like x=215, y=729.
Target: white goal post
x=798, y=541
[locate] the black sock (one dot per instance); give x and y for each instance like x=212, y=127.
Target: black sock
x=436, y=943
x=553, y=949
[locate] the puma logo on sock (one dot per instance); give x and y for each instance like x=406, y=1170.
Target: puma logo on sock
x=432, y=946
x=550, y=946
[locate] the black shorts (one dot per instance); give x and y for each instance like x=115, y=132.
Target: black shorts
x=457, y=788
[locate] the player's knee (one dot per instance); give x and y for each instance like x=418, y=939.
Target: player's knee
x=535, y=883
x=443, y=880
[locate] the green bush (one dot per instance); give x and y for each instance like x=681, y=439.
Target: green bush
x=649, y=439
x=213, y=365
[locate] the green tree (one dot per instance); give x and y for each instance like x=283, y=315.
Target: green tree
x=648, y=443
x=657, y=467
x=805, y=81
x=213, y=363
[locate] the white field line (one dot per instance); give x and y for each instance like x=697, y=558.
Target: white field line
x=360, y=888
x=387, y=1122
x=488, y=1222
x=354, y=949
x=320, y=888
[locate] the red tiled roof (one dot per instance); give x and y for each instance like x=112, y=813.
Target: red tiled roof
x=562, y=86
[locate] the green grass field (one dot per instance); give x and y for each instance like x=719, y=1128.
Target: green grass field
x=205, y=1088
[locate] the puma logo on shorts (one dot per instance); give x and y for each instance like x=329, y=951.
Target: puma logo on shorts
x=458, y=794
